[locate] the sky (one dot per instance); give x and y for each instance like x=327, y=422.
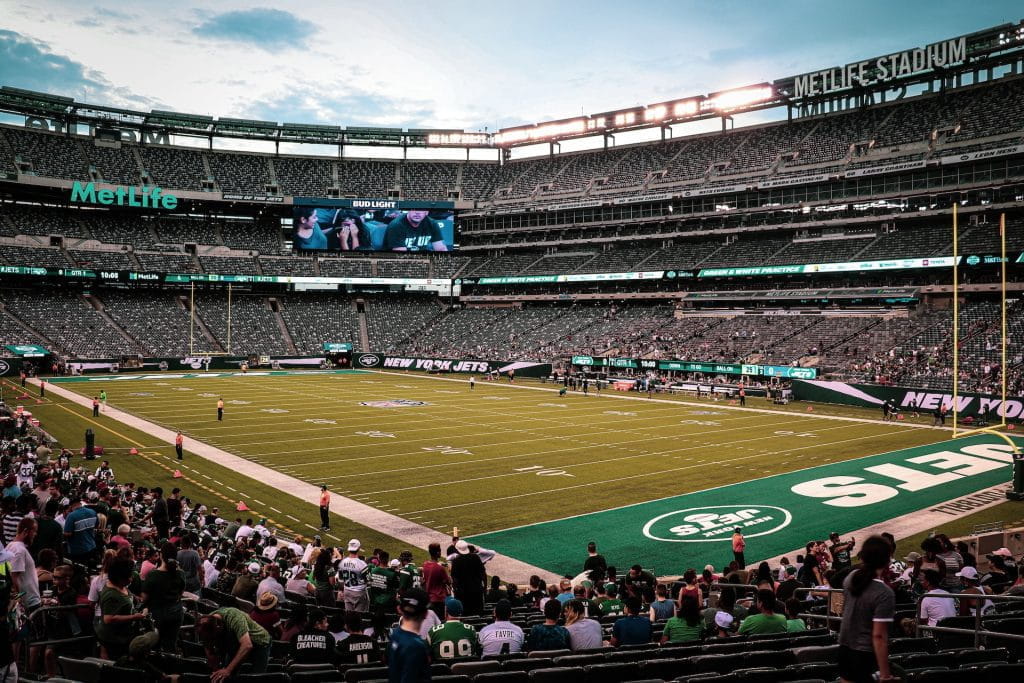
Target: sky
x=446, y=64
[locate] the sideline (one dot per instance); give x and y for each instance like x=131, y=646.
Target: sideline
x=392, y=525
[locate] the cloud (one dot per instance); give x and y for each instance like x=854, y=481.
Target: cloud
x=31, y=64
x=261, y=27
x=308, y=104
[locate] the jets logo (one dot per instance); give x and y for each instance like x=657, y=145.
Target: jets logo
x=4, y=367
x=369, y=360
x=393, y=403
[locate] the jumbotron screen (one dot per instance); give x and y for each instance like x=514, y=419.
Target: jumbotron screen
x=356, y=229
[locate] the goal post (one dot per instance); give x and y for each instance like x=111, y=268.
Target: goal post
x=192, y=326
x=1017, y=492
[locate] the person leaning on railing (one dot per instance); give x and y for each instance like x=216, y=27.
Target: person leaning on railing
x=868, y=609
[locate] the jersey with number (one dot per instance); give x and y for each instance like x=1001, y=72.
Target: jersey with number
x=352, y=573
x=358, y=648
x=612, y=607
x=26, y=472
x=104, y=473
x=410, y=576
x=383, y=583
x=452, y=640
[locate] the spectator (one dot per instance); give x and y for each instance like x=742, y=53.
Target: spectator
x=247, y=583
x=969, y=575
x=120, y=539
x=299, y=582
x=138, y=659
x=408, y=654
x=357, y=647
x=965, y=552
x=453, y=639
x=868, y=610
x=611, y=606
x=314, y=645
x=501, y=637
x=161, y=593
x=724, y=625
x=468, y=579
x=688, y=587
x=638, y=583
x=436, y=581
x=296, y=623
x=80, y=533
x=662, y=609
x=793, y=622
x=232, y=638
x=584, y=633
x=272, y=583
x=549, y=635
x=212, y=570
x=686, y=627
x=594, y=560
x=631, y=629
x=565, y=593
x=190, y=564
x=323, y=578
x=49, y=534
x=934, y=609
x=151, y=561
x=787, y=588
x=265, y=613
x=117, y=611
x=766, y=620
x=739, y=544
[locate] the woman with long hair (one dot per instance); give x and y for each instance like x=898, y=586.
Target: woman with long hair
x=584, y=633
x=161, y=593
x=323, y=578
x=689, y=589
x=869, y=606
x=686, y=626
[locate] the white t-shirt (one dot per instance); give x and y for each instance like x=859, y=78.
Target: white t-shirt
x=270, y=585
x=352, y=574
x=245, y=531
x=493, y=638
x=429, y=622
x=21, y=561
x=937, y=609
x=210, y=573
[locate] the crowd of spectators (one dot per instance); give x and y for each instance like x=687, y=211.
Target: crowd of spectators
x=160, y=584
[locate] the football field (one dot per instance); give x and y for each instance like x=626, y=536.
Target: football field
x=435, y=452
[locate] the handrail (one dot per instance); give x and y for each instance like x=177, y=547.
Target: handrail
x=977, y=616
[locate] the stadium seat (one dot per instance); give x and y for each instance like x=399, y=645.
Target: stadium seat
x=970, y=656
x=761, y=675
x=775, y=659
x=578, y=660
x=474, y=668
x=559, y=674
x=899, y=646
x=527, y=664
x=925, y=661
x=816, y=653
x=824, y=670
x=365, y=674
x=80, y=670
x=666, y=669
x=317, y=676
x=611, y=673
x=949, y=641
x=503, y=677
x=713, y=664
x=550, y=654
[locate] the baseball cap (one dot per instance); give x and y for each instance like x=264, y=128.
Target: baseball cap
x=912, y=557
x=394, y=563
x=254, y=567
x=790, y=569
x=968, y=573
x=1003, y=552
x=354, y=545
x=462, y=548
x=413, y=602
x=263, y=520
x=92, y=496
x=453, y=606
x=141, y=645
x=723, y=620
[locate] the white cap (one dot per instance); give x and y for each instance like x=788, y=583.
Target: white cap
x=462, y=548
x=354, y=545
x=968, y=573
x=254, y=567
x=394, y=563
x=723, y=619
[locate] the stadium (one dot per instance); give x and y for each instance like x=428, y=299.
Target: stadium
x=732, y=329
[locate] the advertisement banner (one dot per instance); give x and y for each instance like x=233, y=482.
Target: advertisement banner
x=381, y=361
x=926, y=400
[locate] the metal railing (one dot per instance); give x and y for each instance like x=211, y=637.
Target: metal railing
x=978, y=632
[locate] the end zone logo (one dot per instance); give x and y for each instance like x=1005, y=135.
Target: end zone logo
x=369, y=360
x=716, y=523
x=4, y=367
x=393, y=403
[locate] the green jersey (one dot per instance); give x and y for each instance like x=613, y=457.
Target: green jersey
x=410, y=576
x=612, y=607
x=383, y=585
x=452, y=640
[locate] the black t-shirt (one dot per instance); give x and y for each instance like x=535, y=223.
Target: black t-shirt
x=595, y=562
x=358, y=648
x=313, y=646
x=174, y=509
x=401, y=233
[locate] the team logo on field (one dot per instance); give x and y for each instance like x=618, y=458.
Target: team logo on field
x=4, y=367
x=393, y=403
x=716, y=523
x=368, y=360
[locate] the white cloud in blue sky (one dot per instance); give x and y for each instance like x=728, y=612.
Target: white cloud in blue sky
x=453, y=63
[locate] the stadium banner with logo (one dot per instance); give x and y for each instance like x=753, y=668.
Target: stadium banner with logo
x=778, y=514
x=5, y=367
x=27, y=350
x=381, y=361
x=926, y=400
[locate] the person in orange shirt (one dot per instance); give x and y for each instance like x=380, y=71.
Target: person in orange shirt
x=220, y=409
x=738, y=545
x=179, y=441
x=95, y=406
x=325, y=506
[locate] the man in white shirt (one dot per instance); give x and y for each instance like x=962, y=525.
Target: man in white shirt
x=502, y=636
x=271, y=583
x=211, y=571
x=245, y=531
x=23, y=567
x=352, y=573
x=934, y=610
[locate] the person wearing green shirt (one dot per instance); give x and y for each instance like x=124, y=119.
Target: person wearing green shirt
x=117, y=611
x=793, y=622
x=231, y=638
x=686, y=626
x=765, y=621
x=383, y=583
x=409, y=576
x=453, y=639
x=611, y=606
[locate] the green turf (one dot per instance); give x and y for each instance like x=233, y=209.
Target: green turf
x=498, y=456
